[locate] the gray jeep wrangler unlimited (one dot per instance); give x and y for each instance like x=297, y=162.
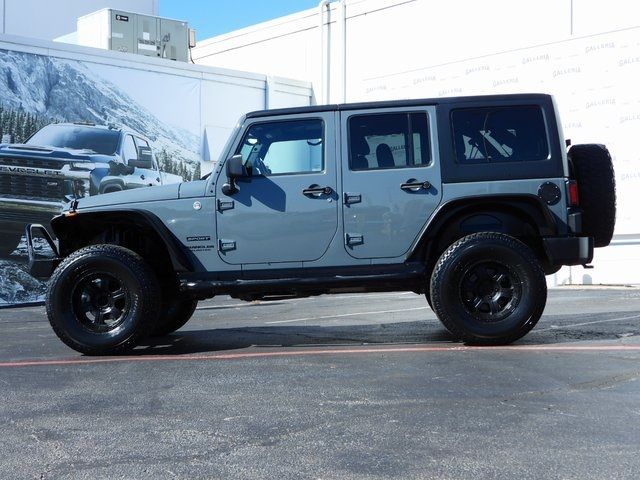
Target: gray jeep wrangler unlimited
x=470, y=201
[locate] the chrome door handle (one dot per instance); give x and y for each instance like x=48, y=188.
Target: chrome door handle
x=413, y=185
x=317, y=191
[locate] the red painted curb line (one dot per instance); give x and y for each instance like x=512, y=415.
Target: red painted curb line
x=297, y=353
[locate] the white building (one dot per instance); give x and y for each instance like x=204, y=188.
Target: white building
x=50, y=19
x=585, y=52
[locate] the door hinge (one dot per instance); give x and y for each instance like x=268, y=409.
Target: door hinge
x=354, y=239
x=226, y=245
x=225, y=205
x=350, y=198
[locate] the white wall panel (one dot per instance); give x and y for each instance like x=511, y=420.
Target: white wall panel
x=597, y=16
x=49, y=19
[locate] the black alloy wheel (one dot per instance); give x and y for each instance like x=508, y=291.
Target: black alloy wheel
x=101, y=302
x=490, y=291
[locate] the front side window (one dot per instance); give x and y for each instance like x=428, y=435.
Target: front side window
x=501, y=134
x=280, y=148
x=390, y=140
x=129, y=149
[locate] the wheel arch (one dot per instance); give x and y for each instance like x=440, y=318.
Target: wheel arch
x=521, y=216
x=112, y=185
x=83, y=228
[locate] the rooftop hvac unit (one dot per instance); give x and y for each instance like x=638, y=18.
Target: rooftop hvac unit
x=136, y=33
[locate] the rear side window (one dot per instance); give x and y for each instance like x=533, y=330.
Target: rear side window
x=389, y=140
x=500, y=134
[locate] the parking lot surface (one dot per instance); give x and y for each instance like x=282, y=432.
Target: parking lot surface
x=350, y=386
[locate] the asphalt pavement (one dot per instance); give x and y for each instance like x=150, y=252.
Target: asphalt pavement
x=349, y=386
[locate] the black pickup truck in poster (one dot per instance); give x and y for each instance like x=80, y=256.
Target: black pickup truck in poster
x=72, y=128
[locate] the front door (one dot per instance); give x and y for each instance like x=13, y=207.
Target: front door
x=391, y=179
x=286, y=209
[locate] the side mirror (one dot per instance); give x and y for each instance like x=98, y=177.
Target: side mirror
x=117, y=169
x=144, y=160
x=235, y=169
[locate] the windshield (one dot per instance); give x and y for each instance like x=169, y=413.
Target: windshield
x=77, y=137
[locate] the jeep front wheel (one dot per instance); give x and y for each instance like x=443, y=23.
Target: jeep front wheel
x=176, y=312
x=102, y=299
x=488, y=289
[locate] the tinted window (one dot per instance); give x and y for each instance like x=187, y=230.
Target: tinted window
x=393, y=140
x=141, y=142
x=279, y=148
x=504, y=134
x=78, y=137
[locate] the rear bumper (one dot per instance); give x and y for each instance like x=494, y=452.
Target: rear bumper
x=569, y=250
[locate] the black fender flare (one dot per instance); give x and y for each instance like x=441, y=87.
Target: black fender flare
x=520, y=207
x=119, y=182
x=67, y=225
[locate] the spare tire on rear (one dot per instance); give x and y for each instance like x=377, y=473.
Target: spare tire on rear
x=593, y=170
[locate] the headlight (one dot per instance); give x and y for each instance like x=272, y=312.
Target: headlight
x=80, y=187
x=83, y=166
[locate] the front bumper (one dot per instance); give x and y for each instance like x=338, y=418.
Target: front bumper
x=569, y=250
x=17, y=213
x=41, y=268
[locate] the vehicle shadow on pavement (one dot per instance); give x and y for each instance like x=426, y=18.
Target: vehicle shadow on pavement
x=195, y=341
x=552, y=329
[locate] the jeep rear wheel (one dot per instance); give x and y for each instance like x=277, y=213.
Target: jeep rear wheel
x=488, y=289
x=9, y=242
x=102, y=299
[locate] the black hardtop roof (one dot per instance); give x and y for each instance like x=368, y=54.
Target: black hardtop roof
x=398, y=104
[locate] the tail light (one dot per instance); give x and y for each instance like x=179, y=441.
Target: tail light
x=574, y=197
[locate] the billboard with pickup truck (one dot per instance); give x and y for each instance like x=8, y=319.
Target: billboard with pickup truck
x=68, y=161
x=71, y=129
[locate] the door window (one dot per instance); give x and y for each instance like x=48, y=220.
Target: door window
x=390, y=140
x=129, y=150
x=502, y=134
x=280, y=148
x=141, y=142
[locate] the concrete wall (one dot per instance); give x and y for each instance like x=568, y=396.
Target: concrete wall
x=585, y=52
x=49, y=19
x=392, y=36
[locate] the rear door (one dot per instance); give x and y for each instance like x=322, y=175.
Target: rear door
x=286, y=209
x=391, y=179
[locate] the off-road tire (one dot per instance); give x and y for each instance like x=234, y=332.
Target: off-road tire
x=175, y=313
x=593, y=170
x=66, y=297
x=427, y=295
x=507, y=257
x=8, y=243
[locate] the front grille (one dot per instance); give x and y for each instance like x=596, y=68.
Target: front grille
x=31, y=187
x=23, y=218
x=31, y=162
